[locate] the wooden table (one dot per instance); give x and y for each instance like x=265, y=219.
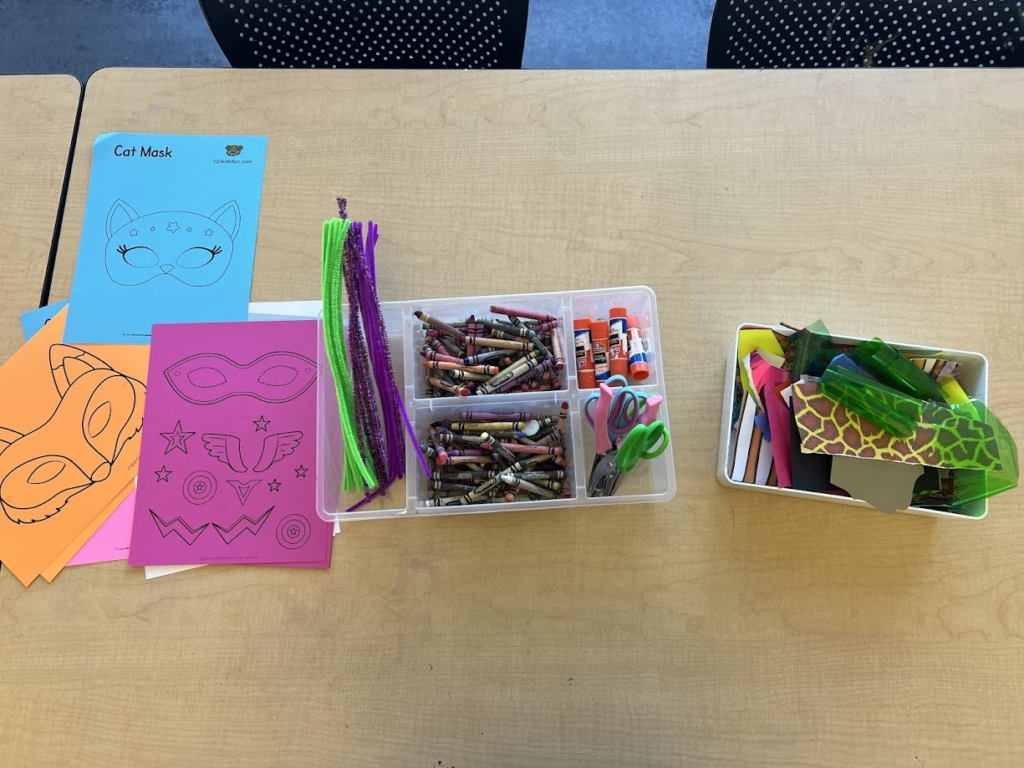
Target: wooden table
x=37, y=126
x=724, y=628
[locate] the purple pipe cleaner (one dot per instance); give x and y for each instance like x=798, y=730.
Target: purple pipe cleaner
x=374, y=323
x=379, y=420
x=393, y=453
x=367, y=421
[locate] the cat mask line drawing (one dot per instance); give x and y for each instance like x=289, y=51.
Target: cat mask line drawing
x=189, y=247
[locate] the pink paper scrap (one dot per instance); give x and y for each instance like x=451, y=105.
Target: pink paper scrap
x=111, y=540
x=778, y=418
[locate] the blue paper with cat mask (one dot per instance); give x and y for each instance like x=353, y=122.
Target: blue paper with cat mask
x=169, y=234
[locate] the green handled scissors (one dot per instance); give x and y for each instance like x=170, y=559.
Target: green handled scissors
x=647, y=440
x=644, y=441
x=625, y=432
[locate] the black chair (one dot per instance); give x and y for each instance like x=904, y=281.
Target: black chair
x=384, y=34
x=881, y=33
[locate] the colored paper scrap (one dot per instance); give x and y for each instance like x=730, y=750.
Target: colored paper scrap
x=779, y=417
x=33, y=320
x=955, y=394
x=885, y=485
x=752, y=339
x=111, y=540
x=741, y=440
x=808, y=471
x=954, y=441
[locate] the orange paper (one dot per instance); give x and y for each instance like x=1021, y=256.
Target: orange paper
x=69, y=444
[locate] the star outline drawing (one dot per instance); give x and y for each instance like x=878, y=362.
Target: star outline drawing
x=176, y=439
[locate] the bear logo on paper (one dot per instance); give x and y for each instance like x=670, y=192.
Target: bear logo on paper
x=189, y=247
x=233, y=150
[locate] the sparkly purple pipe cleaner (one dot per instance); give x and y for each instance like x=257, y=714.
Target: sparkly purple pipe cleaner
x=381, y=435
x=369, y=287
x=367, y=420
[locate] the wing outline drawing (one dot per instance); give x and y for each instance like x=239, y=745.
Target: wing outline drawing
x=276, y=447
x=227, y=449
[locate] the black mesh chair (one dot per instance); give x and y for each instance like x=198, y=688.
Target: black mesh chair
x=881, y=33
x=384, y=34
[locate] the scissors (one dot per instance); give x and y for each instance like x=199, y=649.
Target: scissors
x=626, y=429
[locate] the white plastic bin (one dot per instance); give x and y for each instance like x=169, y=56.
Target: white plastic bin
x=973, y=378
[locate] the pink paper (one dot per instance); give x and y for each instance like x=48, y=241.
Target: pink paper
x=778, y=419
x=758, y=369
x=110, y=542
x=229, y=446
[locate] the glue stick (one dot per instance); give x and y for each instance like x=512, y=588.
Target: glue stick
x=637, y=361
x=584, y=354
x=618, y=351
x=599, y=345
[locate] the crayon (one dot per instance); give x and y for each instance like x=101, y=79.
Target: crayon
x=439, y=325
x=511, y=372
x=444, y=386
x=519, y=337
x=467, y=460
x=525, y=374
x=450, y=346
x=499, y=448
x=523, y=313
x=555, y=450
x=485, y=341
x=430, y=354
x=563, y=416
x=488, y=416
x=556, y=349
x=467, y=376
x=512, y=330
x=525, y=485
x=487, y=426
x=544, y=327
x=471, y=327
x=497, y=355
x=490, y=370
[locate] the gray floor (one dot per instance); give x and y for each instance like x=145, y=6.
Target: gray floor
x=81, y=36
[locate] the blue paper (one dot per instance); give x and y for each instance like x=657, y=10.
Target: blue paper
x=169, y=234
x=847, y=362
x=33, y=320
x=761, y=420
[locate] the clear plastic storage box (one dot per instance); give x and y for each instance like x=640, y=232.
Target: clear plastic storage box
x=650, y=481
x=973, y=378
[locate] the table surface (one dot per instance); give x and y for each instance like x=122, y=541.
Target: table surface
x=37, y=125
x=723, y=628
